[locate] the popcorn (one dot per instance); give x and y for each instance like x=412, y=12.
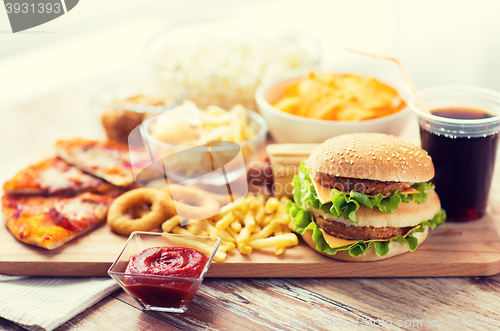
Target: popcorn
x=228, y=69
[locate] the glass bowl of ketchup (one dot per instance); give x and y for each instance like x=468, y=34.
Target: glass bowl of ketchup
x=163, y=271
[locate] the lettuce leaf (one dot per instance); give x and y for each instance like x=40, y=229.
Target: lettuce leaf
x=303, y=222
x=304, y=194
x=438, y=219
x=421, y=187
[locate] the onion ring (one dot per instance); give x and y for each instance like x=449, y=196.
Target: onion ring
x=222, y=199
x=193, y=203
x=124, y=225
x=167, y=202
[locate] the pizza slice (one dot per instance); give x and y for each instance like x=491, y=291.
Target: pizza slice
x=107, y=160
x=55, y=177
x=49, y=222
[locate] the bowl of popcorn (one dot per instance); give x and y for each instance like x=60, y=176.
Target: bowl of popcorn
x=310, y=106
x=222, y=60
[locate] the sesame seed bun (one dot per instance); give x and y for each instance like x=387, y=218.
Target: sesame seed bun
x=395, y=248
x=374, y=156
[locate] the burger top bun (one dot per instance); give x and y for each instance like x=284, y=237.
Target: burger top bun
x=395, y=248
x=373, y=156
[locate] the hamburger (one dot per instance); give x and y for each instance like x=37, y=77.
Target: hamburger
x=365, y=197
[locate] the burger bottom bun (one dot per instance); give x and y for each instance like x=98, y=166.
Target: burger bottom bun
x=395, y=248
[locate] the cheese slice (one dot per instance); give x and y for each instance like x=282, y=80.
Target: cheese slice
x=323, y=192
x=335, y=242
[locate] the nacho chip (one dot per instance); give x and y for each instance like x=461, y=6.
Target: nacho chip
x=340, y=97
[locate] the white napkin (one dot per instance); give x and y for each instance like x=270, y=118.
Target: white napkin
x=44, y=303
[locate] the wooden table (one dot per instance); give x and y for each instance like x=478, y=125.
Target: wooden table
x=254, y=304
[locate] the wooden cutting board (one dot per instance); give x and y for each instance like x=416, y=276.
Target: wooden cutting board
x=470, y=249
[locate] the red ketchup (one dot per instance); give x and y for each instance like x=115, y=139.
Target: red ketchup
x=165, y=261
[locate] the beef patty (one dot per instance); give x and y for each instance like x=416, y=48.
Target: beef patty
x=343, y=231
x=366, y=186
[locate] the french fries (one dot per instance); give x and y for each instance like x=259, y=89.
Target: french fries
x=219, y=256
x=251, y=223
x=171, y=223
x=227, y=220
x=283, y=240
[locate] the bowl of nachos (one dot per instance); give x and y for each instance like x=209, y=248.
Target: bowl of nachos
x=310, y=106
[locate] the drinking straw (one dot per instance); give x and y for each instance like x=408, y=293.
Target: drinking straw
x=403, y=71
